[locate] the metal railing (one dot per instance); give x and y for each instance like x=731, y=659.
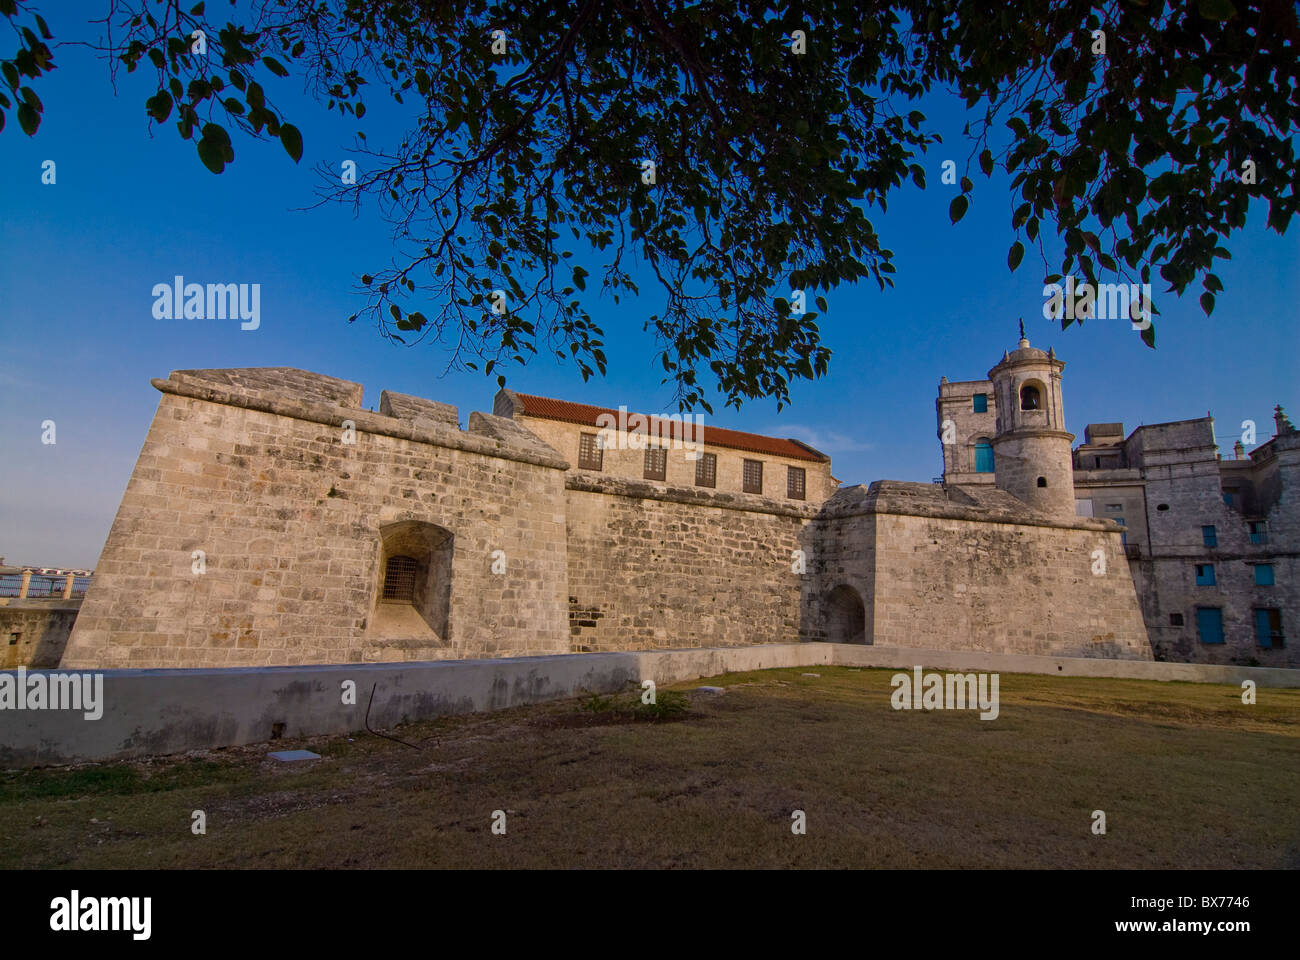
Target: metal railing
x=42, y=586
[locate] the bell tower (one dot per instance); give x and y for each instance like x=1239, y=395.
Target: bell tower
x=1032, y=458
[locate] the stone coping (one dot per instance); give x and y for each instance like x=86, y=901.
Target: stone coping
x=694, y=496
x=894, y=500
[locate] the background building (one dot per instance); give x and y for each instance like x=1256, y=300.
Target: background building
x=1212, y=544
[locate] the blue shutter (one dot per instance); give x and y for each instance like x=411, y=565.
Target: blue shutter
x=1209, y=624
x=1263, y=574
x=981, y=403
x=1210, y=536
x=983, y=457
x=1262, y=632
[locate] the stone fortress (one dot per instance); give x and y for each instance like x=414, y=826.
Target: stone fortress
x=272, y=520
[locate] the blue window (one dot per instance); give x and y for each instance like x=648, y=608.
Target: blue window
x=1258, y=531
x=1210, y=535
x=1263, y=574
x=981, y=403
x=1209, y=624
x=1227, y=498
x=1205, y=574
x=983, y=457
x=1268, y=628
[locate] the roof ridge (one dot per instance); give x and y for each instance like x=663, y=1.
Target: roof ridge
x=572, y=411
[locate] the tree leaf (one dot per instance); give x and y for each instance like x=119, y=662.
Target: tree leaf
x=28, y=119
x=1216, y=9
x=957, y=209
x=1015, y=255
x=212, y=153
x=292, y=141
x=159, y=105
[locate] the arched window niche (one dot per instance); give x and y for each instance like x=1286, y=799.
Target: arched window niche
x=413, y=595
x=983, y=455
x=1031, y=396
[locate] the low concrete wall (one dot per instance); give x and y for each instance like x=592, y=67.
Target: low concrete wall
x=148, y=712
x=965, y=660
x=169, y=711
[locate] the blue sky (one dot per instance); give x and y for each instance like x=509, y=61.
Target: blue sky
x=79, y=258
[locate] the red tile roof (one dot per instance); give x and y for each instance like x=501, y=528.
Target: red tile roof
x=585, y=414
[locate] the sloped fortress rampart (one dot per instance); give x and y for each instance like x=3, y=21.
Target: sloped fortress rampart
x=270, y=519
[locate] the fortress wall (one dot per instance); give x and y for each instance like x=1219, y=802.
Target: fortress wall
x=655, y=567
x=843, y=554
x=1003, y=588
x=289, y=516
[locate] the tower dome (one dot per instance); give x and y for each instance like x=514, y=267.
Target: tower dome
x=1031, y=447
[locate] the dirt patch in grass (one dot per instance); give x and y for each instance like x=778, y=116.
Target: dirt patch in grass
x=1188, y=777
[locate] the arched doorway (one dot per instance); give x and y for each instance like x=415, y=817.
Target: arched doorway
x=846, y=617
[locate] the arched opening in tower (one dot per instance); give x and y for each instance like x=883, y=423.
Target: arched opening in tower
x=846, y=617
x=1030, y=399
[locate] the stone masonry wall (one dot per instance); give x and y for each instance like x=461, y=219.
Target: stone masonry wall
x=1192, y=497
x=34, y=633
x=651, y=567
x=955, y=403
x=288, y=517
x=1003, y=588
x=843, y=555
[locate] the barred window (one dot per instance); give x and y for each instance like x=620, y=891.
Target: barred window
x=706, y=470
x=399, y=579
x=794, y=483
x=753, y=476
x=656, y=463
x=590, y=454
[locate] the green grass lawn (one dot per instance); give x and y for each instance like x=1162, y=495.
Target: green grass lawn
x=1187, y=775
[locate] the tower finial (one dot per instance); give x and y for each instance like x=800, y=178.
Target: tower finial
x=1022, y=328
x=1280, y=418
